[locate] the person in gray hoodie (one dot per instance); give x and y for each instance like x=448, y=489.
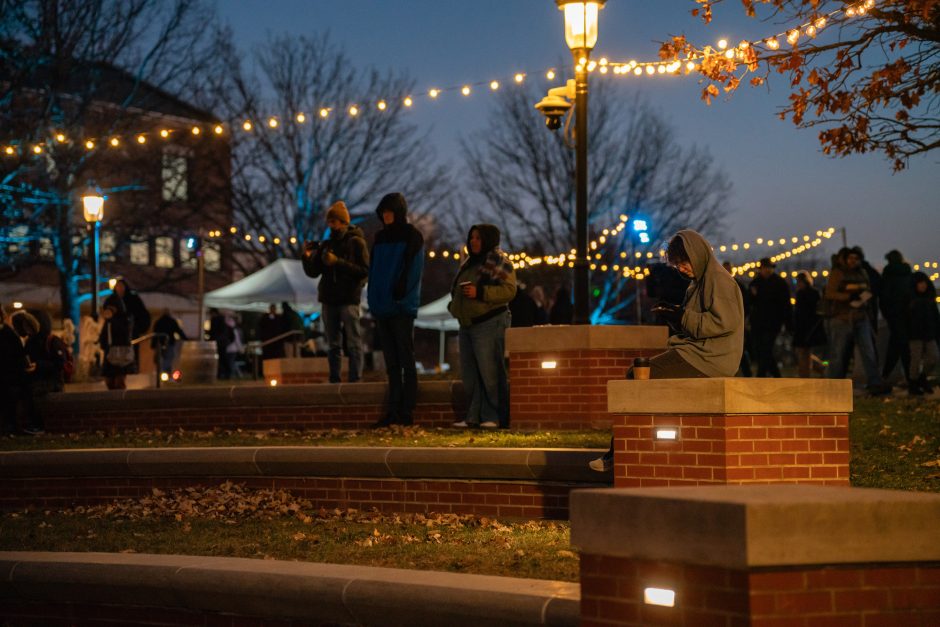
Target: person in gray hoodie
x=709, y=325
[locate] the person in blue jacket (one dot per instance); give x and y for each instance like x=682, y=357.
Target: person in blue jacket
x=396, y=263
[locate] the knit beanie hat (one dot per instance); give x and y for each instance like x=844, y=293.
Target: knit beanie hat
x=338, y=212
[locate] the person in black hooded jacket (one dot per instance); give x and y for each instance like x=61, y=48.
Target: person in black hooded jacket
x=396, y=264
x=924, y=329
x=896, y=291
x=13, y=369
x=342, y=262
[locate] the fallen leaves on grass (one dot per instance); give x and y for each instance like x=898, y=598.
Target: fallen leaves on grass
x=915, y=441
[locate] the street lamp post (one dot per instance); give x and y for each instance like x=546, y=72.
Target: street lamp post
x=581, y=25
x=93, y=206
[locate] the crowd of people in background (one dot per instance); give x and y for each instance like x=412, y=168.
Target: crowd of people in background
x=829, y=327
x=824, y=328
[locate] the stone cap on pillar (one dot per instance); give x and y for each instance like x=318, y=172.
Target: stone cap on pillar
x=732, y=395
x=743, y=527
x=562, y=337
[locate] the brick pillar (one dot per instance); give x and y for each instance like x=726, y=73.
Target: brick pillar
x=739, y=430
x=558, y=374
x=764, y=556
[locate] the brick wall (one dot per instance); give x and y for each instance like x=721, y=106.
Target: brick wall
x=62, y=419
x=809, y=596
x=15, y=612
x=573, y=395
x=790, y=448
x=506, y=499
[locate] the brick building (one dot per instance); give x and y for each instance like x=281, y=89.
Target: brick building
x=164, y=166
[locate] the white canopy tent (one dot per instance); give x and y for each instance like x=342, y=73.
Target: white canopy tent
x=434, y=315
x=283, y=280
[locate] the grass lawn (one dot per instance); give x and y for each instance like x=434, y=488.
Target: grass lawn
x=396, y=436
x=894, y=445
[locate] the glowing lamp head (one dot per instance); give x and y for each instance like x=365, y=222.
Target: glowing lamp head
x=581, y=22
x=93, y=205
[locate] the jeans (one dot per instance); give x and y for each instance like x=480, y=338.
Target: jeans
x=483, y=368
x=923, y=358
x=841, y=333
x=336, y=319
x=396, y=336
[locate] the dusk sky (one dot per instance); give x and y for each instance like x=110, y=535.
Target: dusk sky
x=783, y=184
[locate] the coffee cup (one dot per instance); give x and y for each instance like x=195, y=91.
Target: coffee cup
x=641, y=368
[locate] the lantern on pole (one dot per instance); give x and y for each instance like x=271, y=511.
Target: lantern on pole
x=581, y=27
x=93, y=209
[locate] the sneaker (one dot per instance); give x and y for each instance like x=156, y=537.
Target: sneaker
x=406, y=421
x=460, y=424
x=602, y=464
x=383, y=423
x=34, y=431
x=489, y=424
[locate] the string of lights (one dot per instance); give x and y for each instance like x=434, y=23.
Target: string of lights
x=15, y=148
x=747, y=51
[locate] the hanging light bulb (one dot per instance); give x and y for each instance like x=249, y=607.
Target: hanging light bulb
x=793, y=36
x=89, y=145
x=272, y=122
x=196, y=130
x=519, y=77
x=324, y=112
x=722, y=44
x=494, y=85
x=772, y=43
x=115, y=142
x=353, y=110
x=141, y=139
x=218, y=129
x=434, y=93
x=300, y=117
x=550, y=75
x=246, y=125
x=465, y=90
x=408, y=101
x=381, y=105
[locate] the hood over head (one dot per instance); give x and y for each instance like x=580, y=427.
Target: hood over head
x=396, y=203
x=699, y=251
x=489, y=233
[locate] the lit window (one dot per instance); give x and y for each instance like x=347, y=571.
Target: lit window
x=46, y=251
x=187, y=255
x=107, y=244
x=175, y=170
x=163, y=247
x=212, y=252
x=140, y=253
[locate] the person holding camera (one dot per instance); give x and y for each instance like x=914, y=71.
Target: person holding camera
x=480, y=295
x=342, y=263
x=847, y=294
x=709, y=325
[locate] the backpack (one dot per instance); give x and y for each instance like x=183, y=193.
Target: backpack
x=57, y=348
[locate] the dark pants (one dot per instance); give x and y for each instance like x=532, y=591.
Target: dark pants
x=396, y=336
x=668, y=365
x=10, y=398
x=764, y=340
x=899, y=347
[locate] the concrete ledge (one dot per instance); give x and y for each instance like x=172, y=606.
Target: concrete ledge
x=299, y=461
x=584, y=337
x=243, y=396
x=740, y=527
x=730, y=396
x=325, y=593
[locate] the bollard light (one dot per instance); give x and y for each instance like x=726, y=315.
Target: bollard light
x=663, y=597
x=666, y=433
x=273, y=383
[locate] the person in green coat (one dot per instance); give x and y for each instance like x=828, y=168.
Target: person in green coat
x=480, y=296
x=709, y=325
